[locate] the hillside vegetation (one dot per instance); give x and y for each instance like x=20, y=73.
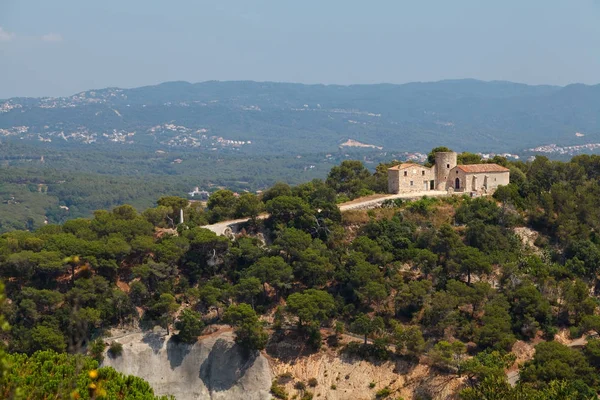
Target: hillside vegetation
x=447, y=283
x=82, y=181
x=285, y=118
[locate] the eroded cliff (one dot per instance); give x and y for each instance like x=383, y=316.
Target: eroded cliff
x=213, y=368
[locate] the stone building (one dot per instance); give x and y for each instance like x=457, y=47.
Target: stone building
x=447, y=175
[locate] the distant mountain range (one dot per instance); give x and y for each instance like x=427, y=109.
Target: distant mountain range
x=284, y=118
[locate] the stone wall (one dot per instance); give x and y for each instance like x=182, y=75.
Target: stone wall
x=415, y=178
x=393, y=181
x=481, y=182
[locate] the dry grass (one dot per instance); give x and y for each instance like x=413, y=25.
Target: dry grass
x=438, y=215
x=361, y=217
x=355, y=217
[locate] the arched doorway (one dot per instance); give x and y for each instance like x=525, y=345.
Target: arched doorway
x=457, y=184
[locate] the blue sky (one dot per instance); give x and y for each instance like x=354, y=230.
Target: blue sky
x=60, y=47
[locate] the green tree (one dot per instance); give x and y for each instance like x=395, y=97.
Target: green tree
x=138, y=293
x=495, y=328
x=247, y=289
x=486, y=364
x=365, y=325
x=592, y=352
x=164, y=310
x=313, y=268
x=292, y=242
x=277, y=190
x=222, y=205
x=47, y=337
x=160, y=216
x=50, y=375
x=468, y=158
x=290, y=211
x=153, y=273
x=409, y=340
x=471, y=261
x=554, y=361
x=373, y=292
x=349, y=178
x=205, y=253
x=272, y=270
x=311, y=306
x=4, y=327
x=411, y=297
x=211, y=295
x=530, y=310
x=248, y=205
x=447, y=356
x=379, y=180
x=249, y=331
x=174, y=205
x=372, y=252
x=190, y=326
x=431, y=155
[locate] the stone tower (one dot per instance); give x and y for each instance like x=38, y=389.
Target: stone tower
x=444, y=162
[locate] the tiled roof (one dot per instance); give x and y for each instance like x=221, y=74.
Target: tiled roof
x=406, y=165
x=474, y=168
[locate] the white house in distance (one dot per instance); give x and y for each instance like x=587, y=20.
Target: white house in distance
x=447, y=175
x=202, y=194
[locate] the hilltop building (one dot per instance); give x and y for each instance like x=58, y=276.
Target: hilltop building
x=447, y=175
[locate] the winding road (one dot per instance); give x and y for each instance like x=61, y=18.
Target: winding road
x=220, y=228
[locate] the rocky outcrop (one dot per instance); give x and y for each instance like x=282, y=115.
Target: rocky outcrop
x=337, y=376
x=213, y=368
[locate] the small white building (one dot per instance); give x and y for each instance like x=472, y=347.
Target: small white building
x=202, y=194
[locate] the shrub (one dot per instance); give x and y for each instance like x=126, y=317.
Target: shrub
x=300, y=385
x=96, y=350
x=115, y=349
x=285, y=377
x=575, y=332
x=312, y=382
x=190, y=326
x=278, y=391
x=333, y=387
x=314, y=337
x=422, y=206
x=383, y=393
x=339, y=328
x=307, y=396
x=376, y=350
x=372, y=385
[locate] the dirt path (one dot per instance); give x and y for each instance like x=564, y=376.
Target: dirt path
x=221, y=228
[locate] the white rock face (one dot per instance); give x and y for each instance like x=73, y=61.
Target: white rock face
x=214, y=368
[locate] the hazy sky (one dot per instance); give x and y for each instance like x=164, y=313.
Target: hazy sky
x=60, y=47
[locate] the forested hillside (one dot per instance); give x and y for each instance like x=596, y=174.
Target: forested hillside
x=35, y=181
x=451, y=283
x=283, y=118
x=102, y=148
